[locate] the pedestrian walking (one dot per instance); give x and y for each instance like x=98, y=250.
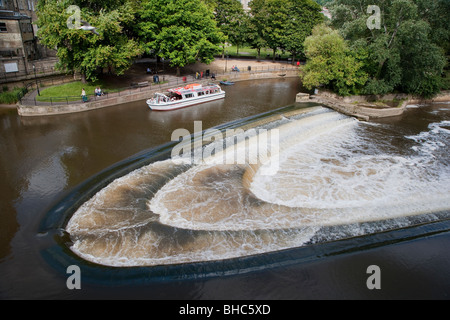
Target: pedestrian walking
x=83, y=95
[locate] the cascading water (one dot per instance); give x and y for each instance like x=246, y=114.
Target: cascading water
x=330, y=172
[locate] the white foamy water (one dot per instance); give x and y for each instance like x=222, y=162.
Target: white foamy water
x=332, y=170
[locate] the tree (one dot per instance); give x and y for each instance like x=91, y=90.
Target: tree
x=232, y=21
x=422, y=61
x=182, y=31
x=331, y=63
x=402, y=45
x=436, y=13
x=277, y=23
x=283, y=24
x=83, y=51
x=303, y=16
x=257, y=27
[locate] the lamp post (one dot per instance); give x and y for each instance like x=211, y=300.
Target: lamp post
x=35, y=78
x=226, y=60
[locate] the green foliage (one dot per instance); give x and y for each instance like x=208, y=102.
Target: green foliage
x=83, y=51
x=436, y=13
x=257, y=28
x=283, y=24
x=232, y=20
x=323, y=2
x=331, y=63
x=446, y=80
x=183, y=31
x=422, y=61
x=10, y=97
x=405, y=53
x=302, y=16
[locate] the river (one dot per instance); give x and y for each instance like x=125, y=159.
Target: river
x=371, y=194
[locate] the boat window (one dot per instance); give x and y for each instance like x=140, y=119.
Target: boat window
x=189, y=95
x=200, y=93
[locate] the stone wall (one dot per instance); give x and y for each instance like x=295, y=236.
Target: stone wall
x=357, y=106
x=46, y=110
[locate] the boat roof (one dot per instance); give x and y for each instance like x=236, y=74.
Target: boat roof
x=191, y=88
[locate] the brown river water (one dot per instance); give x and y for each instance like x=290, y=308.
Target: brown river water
x=98, y=190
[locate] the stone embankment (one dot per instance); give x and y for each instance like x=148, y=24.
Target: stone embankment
x=140, y=94
x=370, y=107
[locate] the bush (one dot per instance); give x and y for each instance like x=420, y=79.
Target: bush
x=446, y=81
x=10, y=97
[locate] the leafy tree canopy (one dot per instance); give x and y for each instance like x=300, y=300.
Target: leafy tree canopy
x=283, y=24
x=183, y=31
x=83, y=51
x=402, y=52
x=331, y=63
x=232, y=20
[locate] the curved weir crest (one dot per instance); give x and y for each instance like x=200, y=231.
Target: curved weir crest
x=327, y=174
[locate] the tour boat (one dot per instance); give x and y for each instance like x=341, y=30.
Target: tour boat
x=185, y=96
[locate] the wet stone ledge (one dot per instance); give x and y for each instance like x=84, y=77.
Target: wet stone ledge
x=363, y=107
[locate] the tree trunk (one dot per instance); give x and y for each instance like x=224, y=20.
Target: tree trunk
x=83, y=78
x=273, y=56
x=178, y=72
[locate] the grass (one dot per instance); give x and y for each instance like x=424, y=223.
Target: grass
x=72, y=90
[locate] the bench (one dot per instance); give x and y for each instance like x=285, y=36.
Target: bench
x=139, y=84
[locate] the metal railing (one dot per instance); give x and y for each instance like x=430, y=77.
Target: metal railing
x=28, y=74
x=165, y=82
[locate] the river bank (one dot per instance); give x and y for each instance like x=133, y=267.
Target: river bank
x=372, y=107
x=254, y=70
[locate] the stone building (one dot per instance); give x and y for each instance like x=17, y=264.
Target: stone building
x=17, y=42
x=19, y=46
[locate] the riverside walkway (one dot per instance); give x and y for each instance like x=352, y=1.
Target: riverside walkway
x=141, y=86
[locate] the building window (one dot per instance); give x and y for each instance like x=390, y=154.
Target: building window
x=3, y=27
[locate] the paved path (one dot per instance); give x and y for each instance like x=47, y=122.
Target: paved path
x=138, y=74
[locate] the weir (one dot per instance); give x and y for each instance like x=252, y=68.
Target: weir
x=332, y=171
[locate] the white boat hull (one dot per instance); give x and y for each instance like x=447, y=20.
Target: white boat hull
x=172, y=105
